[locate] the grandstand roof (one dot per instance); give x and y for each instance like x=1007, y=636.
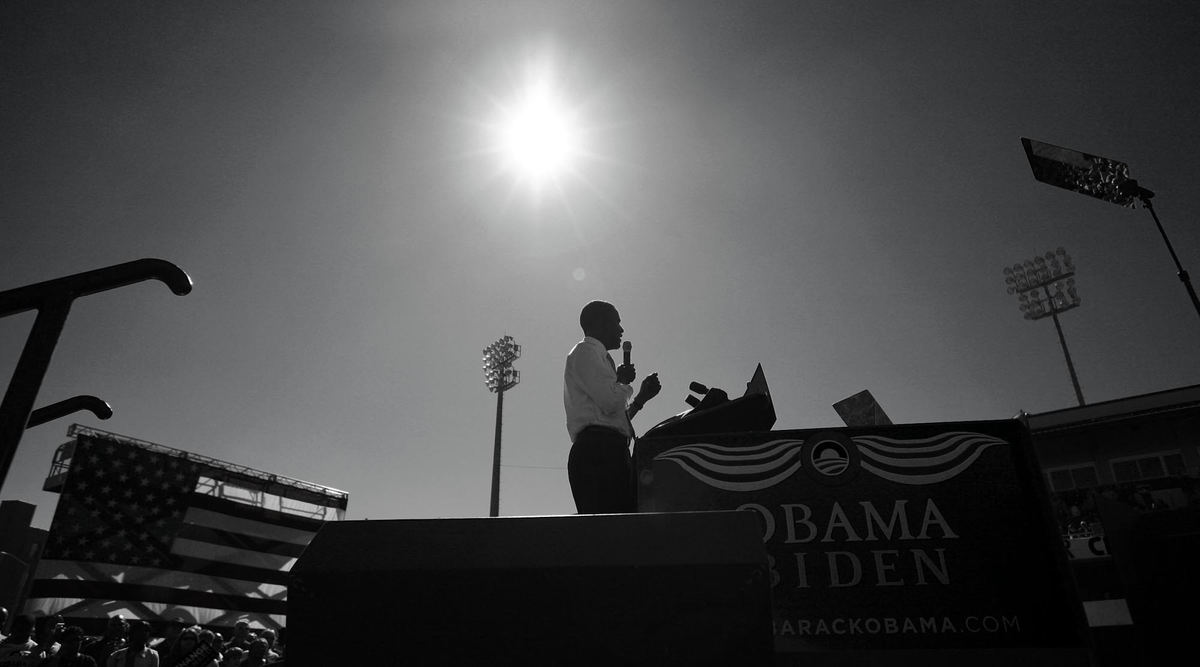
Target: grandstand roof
x=1121, y=409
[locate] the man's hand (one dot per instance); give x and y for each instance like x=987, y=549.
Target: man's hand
x=650, y=388
x=626, y=374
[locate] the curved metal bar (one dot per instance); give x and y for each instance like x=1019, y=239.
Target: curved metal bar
x=53, y=411
x=67, y=288
x=52, y=299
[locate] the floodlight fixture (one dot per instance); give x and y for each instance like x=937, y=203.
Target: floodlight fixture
x=499, y=376
x=1102, y=178
x=1051, y=276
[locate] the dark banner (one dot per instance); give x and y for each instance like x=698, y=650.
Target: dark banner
x=926, y=536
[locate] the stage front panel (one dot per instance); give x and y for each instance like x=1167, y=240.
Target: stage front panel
x=915, y=538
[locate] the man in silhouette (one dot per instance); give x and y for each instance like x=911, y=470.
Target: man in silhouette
x=597, y=396
x=17, y=648
x=112, y=639
x=68, y=653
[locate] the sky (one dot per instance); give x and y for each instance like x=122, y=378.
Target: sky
x=830, y=189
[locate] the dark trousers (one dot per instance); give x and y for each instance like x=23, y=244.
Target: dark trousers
x=601, y=472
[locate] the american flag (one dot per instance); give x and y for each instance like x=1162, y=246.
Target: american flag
x=132, y=535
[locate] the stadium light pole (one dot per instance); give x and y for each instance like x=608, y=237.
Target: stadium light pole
x=1054, y=271
x=1102, y=178
x=499, y=376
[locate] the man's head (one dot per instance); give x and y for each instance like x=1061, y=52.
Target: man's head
x=116, y=627
x=70, y=640
x=22, y=628
x=258, y=649
x=600, y=320
x=189, y=639
x=139, y=633
x=47, y=626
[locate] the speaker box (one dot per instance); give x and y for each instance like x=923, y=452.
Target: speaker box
x=621, y=589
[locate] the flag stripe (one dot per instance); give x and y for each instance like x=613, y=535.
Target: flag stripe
x=922, y=446
x=740, y=469
x=231, y=570
x=224, y=520
x=216, y=552
x=236, y=540
x=743, y=470
x=722, y=474
x=244, y=511
x=738, y=456
x=930, y=476
x=106, y=590
x=928, y=461
x=740, y=452
x=149, y=611
x=923, y=461
x=69, y=570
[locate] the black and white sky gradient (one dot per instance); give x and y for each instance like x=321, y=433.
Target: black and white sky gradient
x=830, y=189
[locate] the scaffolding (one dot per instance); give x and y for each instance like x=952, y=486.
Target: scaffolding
x=220, y=479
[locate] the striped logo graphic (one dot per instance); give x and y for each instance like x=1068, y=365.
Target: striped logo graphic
x=833, y=458
x=925, y=460
x=738, y=468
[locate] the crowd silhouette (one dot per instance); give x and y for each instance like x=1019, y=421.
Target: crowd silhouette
x=49, y=642
x=1077, y=513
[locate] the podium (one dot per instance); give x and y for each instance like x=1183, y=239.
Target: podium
x=686, y=588
x=716, y=413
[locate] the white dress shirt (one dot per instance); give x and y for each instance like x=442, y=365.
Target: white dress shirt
x=592, y=395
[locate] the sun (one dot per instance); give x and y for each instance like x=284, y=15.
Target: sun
x=537, y=135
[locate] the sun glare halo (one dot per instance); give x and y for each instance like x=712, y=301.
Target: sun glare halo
x=538, y=137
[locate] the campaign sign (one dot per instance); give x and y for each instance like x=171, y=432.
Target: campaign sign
x=920, y=539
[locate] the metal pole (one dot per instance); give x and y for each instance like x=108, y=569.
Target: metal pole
x=27, y=379
x=1063, y=340
x=52, y=299
x=495, y=511
x=97, y=407
x=1183, y=275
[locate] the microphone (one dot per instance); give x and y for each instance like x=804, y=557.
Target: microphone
x=625, y=348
